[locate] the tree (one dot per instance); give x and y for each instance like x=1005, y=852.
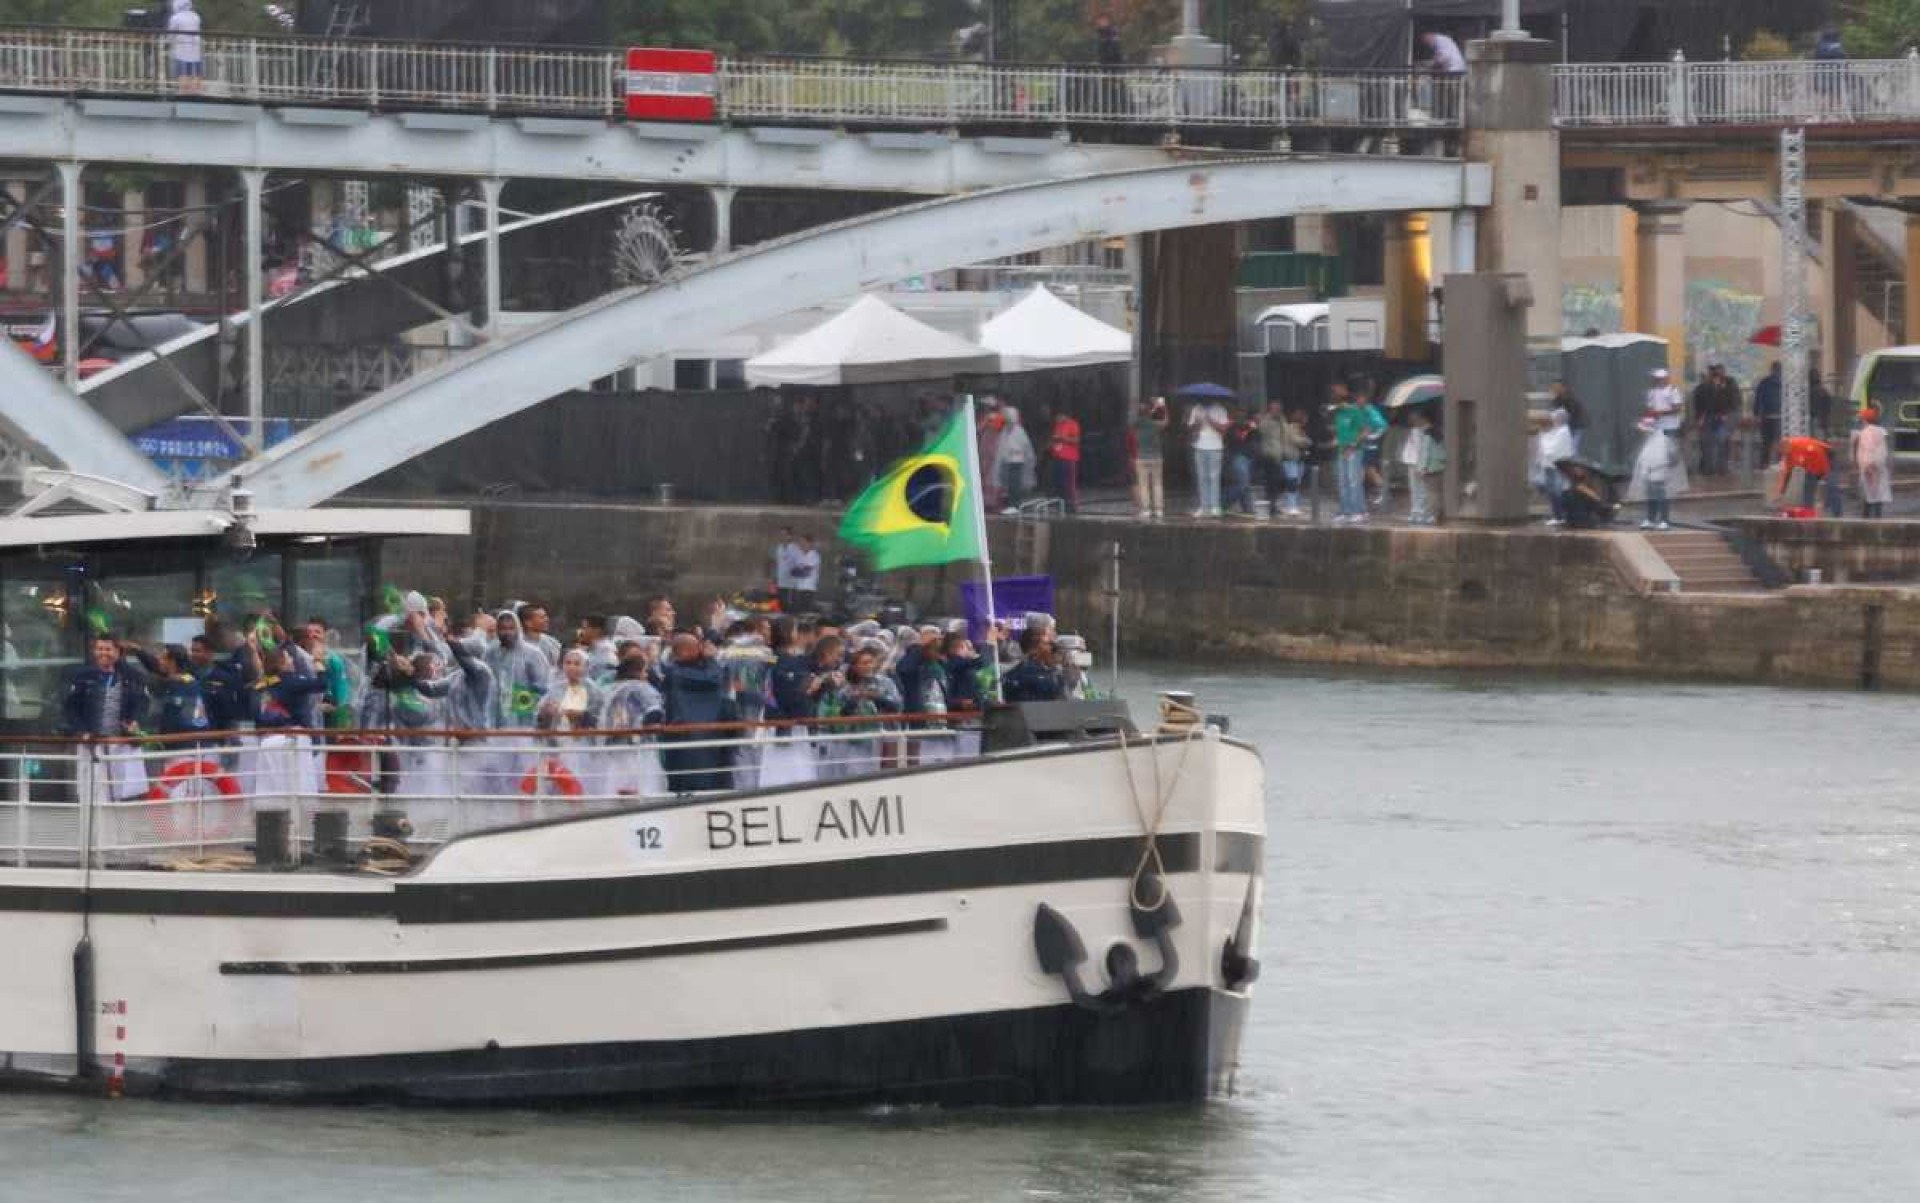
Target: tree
x=1881, y=28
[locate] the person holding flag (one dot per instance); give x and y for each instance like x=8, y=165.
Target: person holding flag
x=927, y=509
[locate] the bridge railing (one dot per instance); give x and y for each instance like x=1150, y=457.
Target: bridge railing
x=811, y=90
x=415, y=75
x=1679, y=93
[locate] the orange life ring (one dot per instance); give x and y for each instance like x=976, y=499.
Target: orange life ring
x=560, y=780
x=180, y=782
x=350, y=769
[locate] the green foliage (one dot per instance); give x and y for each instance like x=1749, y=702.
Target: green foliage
x=1881, y=28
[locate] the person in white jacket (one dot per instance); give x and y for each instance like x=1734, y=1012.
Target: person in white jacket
x=1550, y=446
x=183, y=28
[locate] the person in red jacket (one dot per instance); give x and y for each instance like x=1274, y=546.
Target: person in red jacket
x=1064, y=447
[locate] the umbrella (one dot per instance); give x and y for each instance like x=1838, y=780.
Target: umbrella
x=1587, y=465
x=1766, y=336
x=1415, y=390
x=1206, y=392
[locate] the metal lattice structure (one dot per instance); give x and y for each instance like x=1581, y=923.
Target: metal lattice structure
x=645, y=248
x=1793, y=280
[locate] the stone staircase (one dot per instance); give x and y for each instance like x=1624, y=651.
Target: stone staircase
x=1704, y=561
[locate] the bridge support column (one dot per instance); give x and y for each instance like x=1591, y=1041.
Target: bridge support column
x=1912, y=332
x=1510, y=125
x=133, y=204
x=490, y=189
x=1465, y=249
x=197, y=222
x=722, y=219
x=19, y=271
x=1657, y=274
x=1409, y=286
x=72, y=254
x=253, y=182
x=1486, y=402
x=1839, y=330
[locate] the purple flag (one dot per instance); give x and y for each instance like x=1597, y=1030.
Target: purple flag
x=1013, y=596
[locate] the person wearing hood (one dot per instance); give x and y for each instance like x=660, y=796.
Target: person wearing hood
x=521, y=673
x=633, y=761
x=1659, y=475
x=1013, y=465
x=183, y=30
x=695, y=691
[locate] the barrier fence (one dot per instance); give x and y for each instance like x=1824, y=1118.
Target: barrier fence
x=1784, y=93
x=134, y=802
x=557, y=82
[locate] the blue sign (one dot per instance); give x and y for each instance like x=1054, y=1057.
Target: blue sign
x=196, y=446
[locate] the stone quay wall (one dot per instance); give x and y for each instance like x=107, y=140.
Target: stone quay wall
x=1238, y=592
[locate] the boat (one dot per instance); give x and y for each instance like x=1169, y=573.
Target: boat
x=1053, y=907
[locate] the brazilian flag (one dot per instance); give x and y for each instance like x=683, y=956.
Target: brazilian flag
x=923, y=510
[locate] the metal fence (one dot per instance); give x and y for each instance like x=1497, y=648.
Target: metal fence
x=125, y=803
x=1680, y=93
x=397, y=75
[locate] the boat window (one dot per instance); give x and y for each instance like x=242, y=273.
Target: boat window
x=41, y=644
x=247, y=588
x=149, y=608
x=332, y=588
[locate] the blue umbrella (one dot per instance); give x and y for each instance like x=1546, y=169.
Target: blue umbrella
x=1206, y=392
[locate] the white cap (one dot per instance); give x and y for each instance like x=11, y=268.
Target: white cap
x=1659, y=373
x=415, y=603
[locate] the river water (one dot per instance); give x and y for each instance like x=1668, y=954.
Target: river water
x=1526, y=940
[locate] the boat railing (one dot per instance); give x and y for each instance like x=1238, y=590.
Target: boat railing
x=195, y=801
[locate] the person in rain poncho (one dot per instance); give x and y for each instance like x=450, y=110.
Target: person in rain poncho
x=573, y=704
x=521, y=673
x=183, y=30
x=633, y=768
x=1550, y=446
x=1659, y=475
x=748, y=663
x=1013, y=461
x=1872, y=464
x=861, y=691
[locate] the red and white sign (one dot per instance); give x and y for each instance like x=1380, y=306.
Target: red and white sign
x=671, y=85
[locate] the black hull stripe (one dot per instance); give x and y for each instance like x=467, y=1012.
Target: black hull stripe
x=584, y=956
x=1179, y=1048
x=665, y=893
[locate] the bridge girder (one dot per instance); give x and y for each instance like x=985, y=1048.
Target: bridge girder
x=39, y=412
x=819, y=265
x=357, y=144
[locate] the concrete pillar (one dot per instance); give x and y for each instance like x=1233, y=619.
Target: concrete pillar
x=72, y=254
x=1912, y=334
x=1463, y=247
x=133, y=237
x=1659, y=273
x=1510, y=126
x=1409, y=281
x=1632, y=321
x=199, y=220
x=722, y=219
x=490, y=189
x=19, y=274
x=253, y=180
x=1486, y=404
x=1839, y=328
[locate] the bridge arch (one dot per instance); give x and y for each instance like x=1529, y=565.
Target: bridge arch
x=766, y=280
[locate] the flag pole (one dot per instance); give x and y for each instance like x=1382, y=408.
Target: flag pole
x=980, y=530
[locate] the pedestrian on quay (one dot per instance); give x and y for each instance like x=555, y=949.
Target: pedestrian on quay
x=1872, y=464
x=1350, y=428
x=1564, y=398
x=1146, y=438
x=1659, y=475
x=1424, y=458
x=1207, y=424
x=1664, y=403
x=1014, y=466
x=1063, y=449
x=1716, y=407
x=1550, y=447
x=1243, y=449
x=1766, y=411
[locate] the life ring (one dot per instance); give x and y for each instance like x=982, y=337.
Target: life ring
x=350, y=769
x=183, y=781
x=560, y=780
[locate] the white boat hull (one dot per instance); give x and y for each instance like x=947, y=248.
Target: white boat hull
x=859, y=941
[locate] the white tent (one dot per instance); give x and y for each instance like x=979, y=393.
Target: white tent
x=869, y=342
x=1042, y=331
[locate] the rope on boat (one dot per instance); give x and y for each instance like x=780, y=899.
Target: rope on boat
x=1150, y=861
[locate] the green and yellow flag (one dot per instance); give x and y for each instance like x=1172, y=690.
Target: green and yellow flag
x=925, y=510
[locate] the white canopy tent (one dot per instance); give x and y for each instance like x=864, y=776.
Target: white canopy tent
x=869, y=342
x=1042, y=331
